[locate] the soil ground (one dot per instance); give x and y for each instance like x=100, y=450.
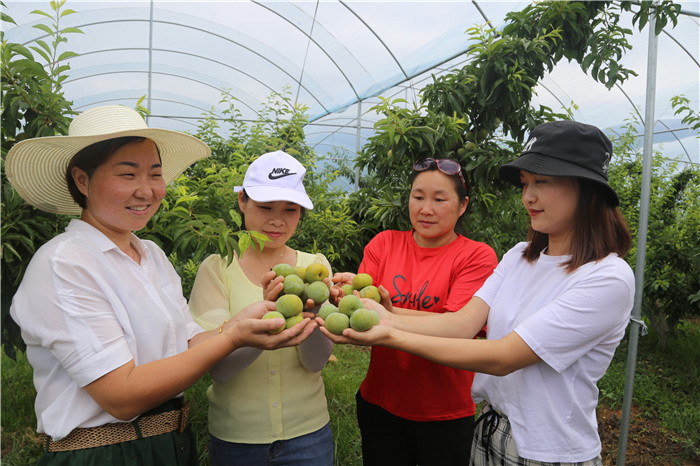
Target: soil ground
x=648, y=443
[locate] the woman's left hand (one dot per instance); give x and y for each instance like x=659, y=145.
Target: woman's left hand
x=272, y=286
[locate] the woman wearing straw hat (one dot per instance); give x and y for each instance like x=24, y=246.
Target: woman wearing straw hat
x=107, y=329
x=556, y=308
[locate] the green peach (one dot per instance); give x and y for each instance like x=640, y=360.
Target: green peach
x=292, y=321
x=316, y=272
x=274, y=315
x=348, y=304
x=361, y=280
x=293, y=285
x=347, y=289
x=300, y=271
x=337, y=322
x=371, y=292
x=326, y=310
x=289, y=305
x=318, y=291
x=282, y=270
x=363, y=319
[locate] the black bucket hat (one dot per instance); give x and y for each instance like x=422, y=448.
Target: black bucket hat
x=564, y=148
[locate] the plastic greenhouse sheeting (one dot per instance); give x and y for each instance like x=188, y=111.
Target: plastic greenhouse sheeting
x=330, y=55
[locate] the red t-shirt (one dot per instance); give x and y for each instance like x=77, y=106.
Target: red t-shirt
x=427, y=279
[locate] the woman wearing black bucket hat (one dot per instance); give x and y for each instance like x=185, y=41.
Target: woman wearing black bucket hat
x=556, y=308
x=108, y=331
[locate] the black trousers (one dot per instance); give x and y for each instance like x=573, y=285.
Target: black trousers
x=389, y=440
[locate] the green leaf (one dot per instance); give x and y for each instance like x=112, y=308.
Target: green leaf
x=70, y=30
x=67, y=55
x=44, y=28
x=39, y=12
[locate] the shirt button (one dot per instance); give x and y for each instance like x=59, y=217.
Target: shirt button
x=274, y=435
x=273, y=372
x=274, y=405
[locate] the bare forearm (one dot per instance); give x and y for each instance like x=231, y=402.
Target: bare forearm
x=465, y=323
x=495, y=357
x=135, y=389
x=409, y=312
x=447, y=324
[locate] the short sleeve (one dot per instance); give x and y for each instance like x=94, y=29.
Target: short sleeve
x=76, y=320
x=593, y=312
x=470, y=275
x=372, y=255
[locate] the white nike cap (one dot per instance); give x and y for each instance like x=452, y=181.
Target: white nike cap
x=276, y=176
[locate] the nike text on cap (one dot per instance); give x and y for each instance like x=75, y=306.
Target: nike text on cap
x=276, y=176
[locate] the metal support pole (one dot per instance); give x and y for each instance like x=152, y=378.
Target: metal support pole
x=358, y=139
x=150, y=62
x=636, y=322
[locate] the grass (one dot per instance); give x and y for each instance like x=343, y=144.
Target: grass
x=665, y=391
x=665, y=385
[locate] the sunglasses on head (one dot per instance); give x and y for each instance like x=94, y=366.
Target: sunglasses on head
x=446, y=166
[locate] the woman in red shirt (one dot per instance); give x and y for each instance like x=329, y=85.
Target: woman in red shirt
x=412, y=411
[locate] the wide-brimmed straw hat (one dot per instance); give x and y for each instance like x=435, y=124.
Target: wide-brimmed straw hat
x=565, y=148
x=36, y=167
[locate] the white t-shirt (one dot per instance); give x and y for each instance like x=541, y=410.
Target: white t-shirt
x=85, y=308
x=573, y=322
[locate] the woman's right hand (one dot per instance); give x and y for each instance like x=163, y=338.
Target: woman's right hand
x=248, y=329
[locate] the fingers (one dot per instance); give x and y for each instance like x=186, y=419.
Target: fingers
x=254, y=311
x=343, y=278
x=273, y=288
x=348, y=337
x=385, y=298
x=292, y=336
x=335, y=293
x=268, y=277
x=310, y=306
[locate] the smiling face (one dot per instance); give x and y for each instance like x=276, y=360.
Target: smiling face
x=124, y=192
x=551, y=202
x=434, y=208
x=278, y=219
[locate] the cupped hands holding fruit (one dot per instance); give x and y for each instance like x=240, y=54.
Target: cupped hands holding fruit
x=295, y=289
x=357, y=309
x=247, y=329
x=367, y=325
x=345, y=283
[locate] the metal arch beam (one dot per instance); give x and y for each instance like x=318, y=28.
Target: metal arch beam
x=317, y=44
x=179, y=102
x=226, y=65
x=253, y=52
x=182, y=119
x=162, y=74
x=682, y=47
x=641, y=119
x=405, y=75
x=673, y=132
x=96, y=23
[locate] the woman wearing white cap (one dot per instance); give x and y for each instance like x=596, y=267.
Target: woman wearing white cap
x=265, y=407
x=107, y=329
x=556, y=308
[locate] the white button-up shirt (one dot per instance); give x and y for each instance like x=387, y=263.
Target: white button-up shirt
x=85, y=308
